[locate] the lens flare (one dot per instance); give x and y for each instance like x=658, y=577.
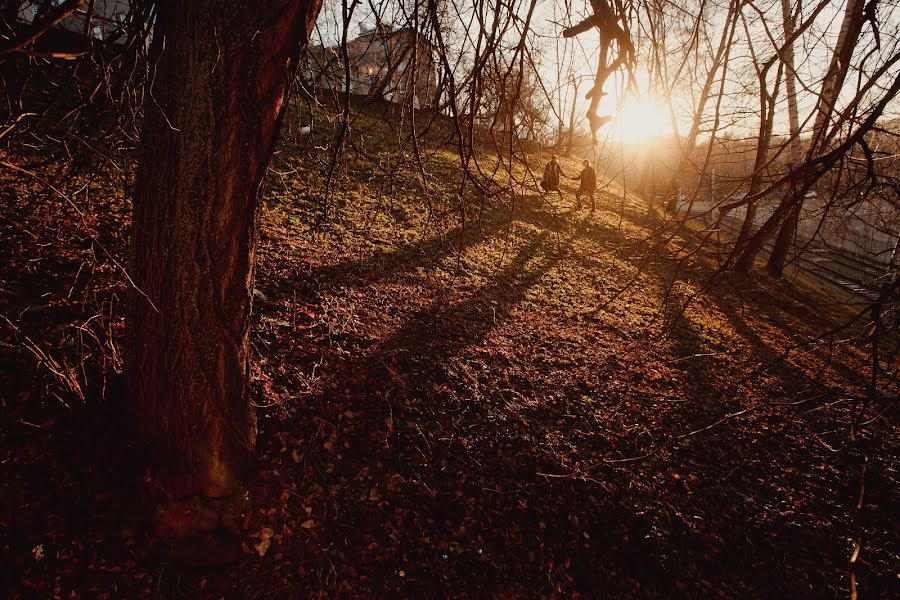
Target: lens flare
x=641, y=121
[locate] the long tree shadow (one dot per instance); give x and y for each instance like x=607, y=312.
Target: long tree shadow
x=535, y=210
x=447, y=443
x=431, y=250
x=447, y=329
x=787, y=316
x=401, y=381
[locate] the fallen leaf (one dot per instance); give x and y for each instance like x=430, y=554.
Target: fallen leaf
x=263, y=546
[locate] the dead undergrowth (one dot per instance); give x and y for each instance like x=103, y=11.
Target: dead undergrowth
x=504, y=398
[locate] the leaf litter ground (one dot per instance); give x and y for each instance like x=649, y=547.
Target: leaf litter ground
x=452, y=409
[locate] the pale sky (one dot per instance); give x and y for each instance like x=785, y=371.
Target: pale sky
x=578, y=58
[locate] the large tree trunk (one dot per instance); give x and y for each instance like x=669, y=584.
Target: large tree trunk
x=220, y=79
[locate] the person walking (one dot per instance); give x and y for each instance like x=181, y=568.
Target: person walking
x=588, y=184
x=552, y=172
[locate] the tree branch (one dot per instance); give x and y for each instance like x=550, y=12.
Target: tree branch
x=38, y=29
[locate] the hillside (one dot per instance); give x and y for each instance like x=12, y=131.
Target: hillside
x=505, y=397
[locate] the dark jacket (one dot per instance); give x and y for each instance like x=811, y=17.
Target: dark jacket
x=552, y=173
x=588, y=180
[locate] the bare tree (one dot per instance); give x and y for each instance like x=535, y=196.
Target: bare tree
x=612, y=27
x=570, y=141
x=786, y=216
x=851, y=27
x=215, y=90
x=789, y=18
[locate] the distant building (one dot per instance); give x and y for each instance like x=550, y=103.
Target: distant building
x=106, y=16
x=384, y=61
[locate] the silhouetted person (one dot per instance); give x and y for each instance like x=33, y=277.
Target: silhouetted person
x=588, y=185
x=552, y=173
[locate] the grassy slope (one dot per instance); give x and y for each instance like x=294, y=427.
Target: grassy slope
x=439, y=400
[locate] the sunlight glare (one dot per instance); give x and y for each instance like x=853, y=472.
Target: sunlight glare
x=641, y=121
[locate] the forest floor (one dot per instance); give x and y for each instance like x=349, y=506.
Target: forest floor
x=512, y=405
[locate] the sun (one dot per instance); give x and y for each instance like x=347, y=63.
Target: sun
x=641, y=120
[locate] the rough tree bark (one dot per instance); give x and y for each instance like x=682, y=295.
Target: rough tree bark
x=220, y=75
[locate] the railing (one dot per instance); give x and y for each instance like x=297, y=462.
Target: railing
x=852, y=265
